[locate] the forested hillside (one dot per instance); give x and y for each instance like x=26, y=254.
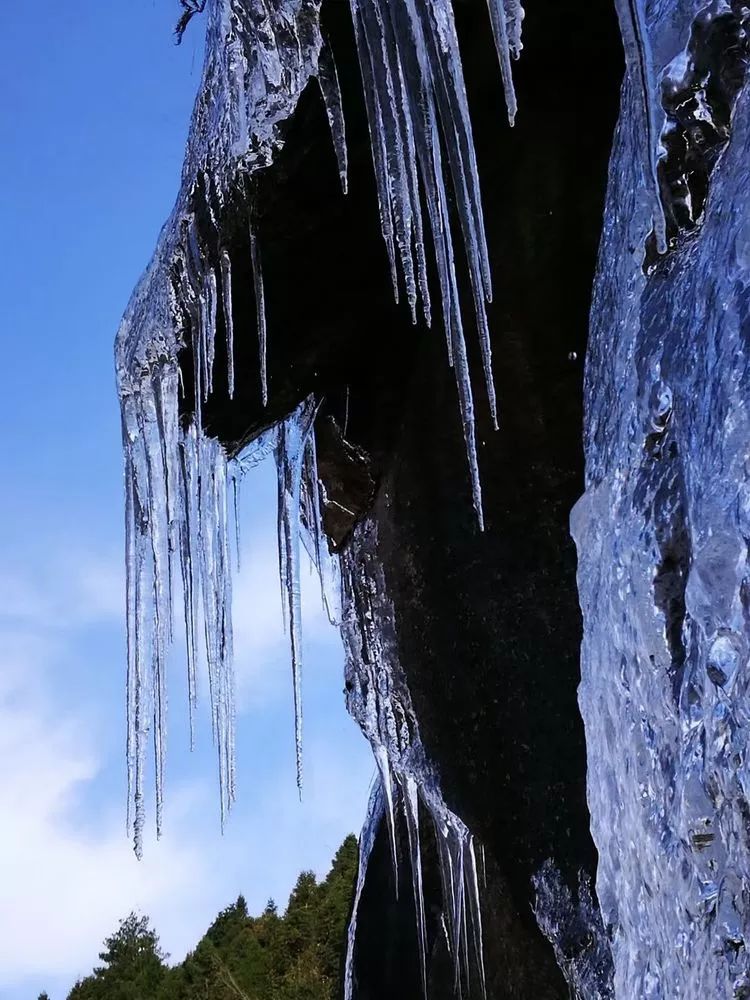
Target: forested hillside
x=297, y=955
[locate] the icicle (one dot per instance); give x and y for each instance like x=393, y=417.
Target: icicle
x=162, y=608
x=208, y=323
x=501, y=27
x=386, y=780
x=135, y=681
x=236, y=488
x=226, y=299
x=314, y=537
x=189, y=548
x=474, y=909
x=217, y=597
x=373, y=817
x=146, y=553
x=453, y=855
x=260, y=307
x=290, y=453
x=384, y=72
x=377, y=143
x=140, y=702
x=466, y=405
x=447, y=881
x=514, y=20
x=450, y=93
x=194, y=307
x=411, y=814
x=345, y=426
x=632, y=16
x=328, y=80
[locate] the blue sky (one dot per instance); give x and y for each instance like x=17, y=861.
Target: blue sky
x=94, y=113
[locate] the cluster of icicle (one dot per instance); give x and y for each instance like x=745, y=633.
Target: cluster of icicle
x=177, y=477
x=181, y=485
x=259, y=58
x=418, y=115
x=378, y=699
x=181, y=506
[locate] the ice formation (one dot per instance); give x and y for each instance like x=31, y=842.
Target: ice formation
x=378, y=699
x=414, y=93
x=575, y=930
x=259, y=58
x=663, y=529
x=176, y=475
x=181, y=485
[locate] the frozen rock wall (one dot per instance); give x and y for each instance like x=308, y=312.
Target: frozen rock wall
x=662, y=530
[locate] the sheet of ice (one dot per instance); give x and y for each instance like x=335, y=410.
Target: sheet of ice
x=662, y=530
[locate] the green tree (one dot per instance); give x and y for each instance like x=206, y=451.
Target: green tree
x=294, y=956
x=334, y=910
x=133, y=965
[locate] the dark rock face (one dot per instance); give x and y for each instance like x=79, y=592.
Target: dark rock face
x=488, y=623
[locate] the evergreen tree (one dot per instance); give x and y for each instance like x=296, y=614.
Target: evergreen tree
x=335, y=908
x=297, y=956
x=133, y=965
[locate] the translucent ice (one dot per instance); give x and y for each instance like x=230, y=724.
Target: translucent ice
x=662, y=530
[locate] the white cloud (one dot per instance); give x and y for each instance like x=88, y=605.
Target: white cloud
x=57, y=875
x=67, y=871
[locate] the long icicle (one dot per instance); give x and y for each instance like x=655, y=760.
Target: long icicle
x=373, y=817
x=290, y=455
x=226, y=300
x=410, y=802
x=260, y=310
x=330, y=88
x=632, y=17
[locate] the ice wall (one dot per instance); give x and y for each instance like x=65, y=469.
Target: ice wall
x=663, y=528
